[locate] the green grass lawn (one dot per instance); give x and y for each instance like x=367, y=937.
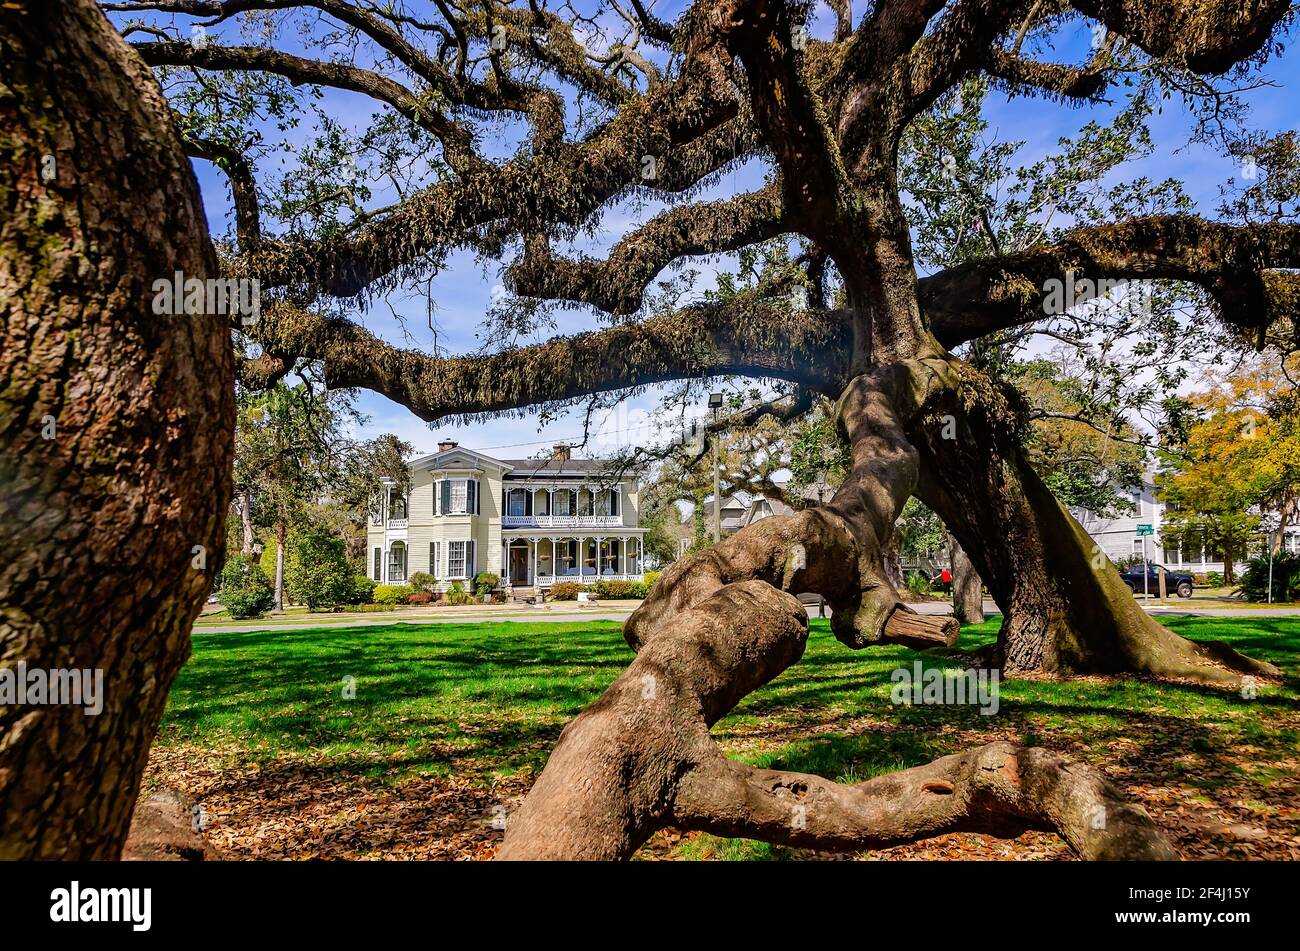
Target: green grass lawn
x=475, y=708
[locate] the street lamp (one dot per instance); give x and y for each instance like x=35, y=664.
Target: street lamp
x=715, y=405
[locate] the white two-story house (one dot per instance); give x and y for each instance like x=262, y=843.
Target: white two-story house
x=532, y=522
x=1118, y=536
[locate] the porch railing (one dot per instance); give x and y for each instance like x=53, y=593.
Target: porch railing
x=561, y=521
x=589, y=577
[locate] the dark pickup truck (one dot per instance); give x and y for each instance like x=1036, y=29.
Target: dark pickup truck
x=1174, y=581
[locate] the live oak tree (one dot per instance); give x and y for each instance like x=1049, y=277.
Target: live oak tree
x=615, y=101
x=117, y=422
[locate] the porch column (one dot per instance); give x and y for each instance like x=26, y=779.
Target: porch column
x=582, y=556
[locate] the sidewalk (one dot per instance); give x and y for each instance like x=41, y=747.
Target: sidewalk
x=552, y=611
x=575, y=612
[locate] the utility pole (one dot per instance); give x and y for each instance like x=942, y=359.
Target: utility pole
x=715, y=404
x=822, y=476
x=1269, y=528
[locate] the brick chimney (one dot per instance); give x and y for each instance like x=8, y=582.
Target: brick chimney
x=445, y=444
x=560, y=452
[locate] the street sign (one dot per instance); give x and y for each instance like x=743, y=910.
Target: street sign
x=1145, y=528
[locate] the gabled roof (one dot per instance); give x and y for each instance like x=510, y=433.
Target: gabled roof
x=445, y=459
x=729, y=502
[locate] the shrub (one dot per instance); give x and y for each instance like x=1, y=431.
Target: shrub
x=422, y=581
x=317, y=572
x=620, y=590
x=420, y=597
x=566, y=590
x=391, y=593
x=1286, y=578
x=650, y=578
x=1214, y=579
x=246, y=591
x=368, y=608
x=363, y=590
x=485, y=582
x=917, y=583
x=457, y=594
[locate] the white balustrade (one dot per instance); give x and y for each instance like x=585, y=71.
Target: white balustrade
x=561, y=521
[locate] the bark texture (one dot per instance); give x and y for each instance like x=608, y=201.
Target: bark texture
x=1064, y=606
x=967, y=588
x=103, y=524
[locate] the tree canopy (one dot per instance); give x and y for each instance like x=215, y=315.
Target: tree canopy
x=902, y=256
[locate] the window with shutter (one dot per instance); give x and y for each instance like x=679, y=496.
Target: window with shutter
x=433, y=559
x=379, y=561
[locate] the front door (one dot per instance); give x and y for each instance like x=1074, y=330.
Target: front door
x=519, y=566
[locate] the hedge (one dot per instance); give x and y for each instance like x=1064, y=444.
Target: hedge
x=392, y=593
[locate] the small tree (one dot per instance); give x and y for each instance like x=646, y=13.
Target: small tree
x=246, y=591
x=319, y=574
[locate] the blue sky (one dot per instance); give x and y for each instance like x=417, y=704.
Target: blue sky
x=463, y=290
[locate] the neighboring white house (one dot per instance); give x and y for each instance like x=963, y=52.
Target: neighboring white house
x=1118, y=536
x=531, y=521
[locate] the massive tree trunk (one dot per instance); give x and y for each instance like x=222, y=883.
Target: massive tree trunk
x=967, y=588
x=116, y=422
x=1065, y=608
